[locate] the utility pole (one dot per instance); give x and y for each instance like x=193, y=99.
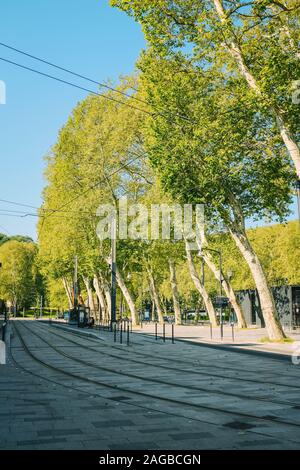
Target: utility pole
x=298, y=197
x=203, y=271
x=221, y=312
x=75, y=288
x=113, y=270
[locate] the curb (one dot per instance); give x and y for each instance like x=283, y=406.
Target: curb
x=230, y=348
x=88, y=334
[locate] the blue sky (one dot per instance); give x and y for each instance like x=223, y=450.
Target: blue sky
x=87, y=36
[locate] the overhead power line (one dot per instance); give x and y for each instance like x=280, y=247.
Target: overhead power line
x=103, y=179
x=52, y=77
x=18, y=204
x=19, y=216
x=10, y=211
x=64, y=69
x=124, y=166
x=71, y=72
x=28, y=214
x=90, y=188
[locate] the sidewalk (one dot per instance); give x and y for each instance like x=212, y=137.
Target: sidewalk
x=246, y=340
x=249, y=339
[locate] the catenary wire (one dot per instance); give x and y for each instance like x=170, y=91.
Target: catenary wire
x=52, y=77
x=103, y=85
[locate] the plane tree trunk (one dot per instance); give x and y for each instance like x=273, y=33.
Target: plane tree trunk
x=128, y=297
x=89, y=290
x=68, y=291
x=225, y=283
x=174, y=286
x=101, y=297
x=201, y=289
x=238, y=233
x=155, y=296
x=107, y=292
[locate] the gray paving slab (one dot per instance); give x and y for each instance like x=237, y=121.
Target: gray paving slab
x=37, y=413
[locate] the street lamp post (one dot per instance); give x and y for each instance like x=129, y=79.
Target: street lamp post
x=113, y=271
x=5, y=317
x=203, y=272
x=230, y=275
x=298, y=197
x=75, y=290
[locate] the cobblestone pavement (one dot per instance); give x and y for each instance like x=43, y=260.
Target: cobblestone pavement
x=79, y=392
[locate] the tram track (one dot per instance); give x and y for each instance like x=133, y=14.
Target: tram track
x=144, y=394
x=186, y=370
x=97, y=395
x=165, y=358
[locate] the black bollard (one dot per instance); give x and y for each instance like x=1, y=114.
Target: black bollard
x=232, y=331
x=128, y=330
x=173, y=339
x=156, y=331
x=115, y=332
x=164, y=332
x=121, y=334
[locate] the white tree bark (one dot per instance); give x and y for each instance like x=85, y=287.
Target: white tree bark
x=274, y=328
x=68, y=291
x=236, y=52
x=201, y=288
x=155, y=296
x=107, y=293
x=173, y=281
x=225, y=283
x=286, y=32
x=89, y=290
x=238, y=233
x=101, y=297
x=128, y=297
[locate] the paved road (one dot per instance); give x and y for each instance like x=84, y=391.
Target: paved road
x=87, y=393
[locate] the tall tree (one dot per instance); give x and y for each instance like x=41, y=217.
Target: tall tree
x=256, y=40
x=199, y=284
x=230, y=161
x=20, y=281
x=98, y=157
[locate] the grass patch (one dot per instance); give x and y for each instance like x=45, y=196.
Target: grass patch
x=265, y=339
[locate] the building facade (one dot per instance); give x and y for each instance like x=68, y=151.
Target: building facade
x=287, y=300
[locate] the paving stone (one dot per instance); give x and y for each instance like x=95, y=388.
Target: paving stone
x=40, y=419
x=34, y=414
x=110, y=424
x=40, y=442
x=190, y=435
x=59, y=432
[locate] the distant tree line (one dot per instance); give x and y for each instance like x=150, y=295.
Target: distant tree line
x=21, y=283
